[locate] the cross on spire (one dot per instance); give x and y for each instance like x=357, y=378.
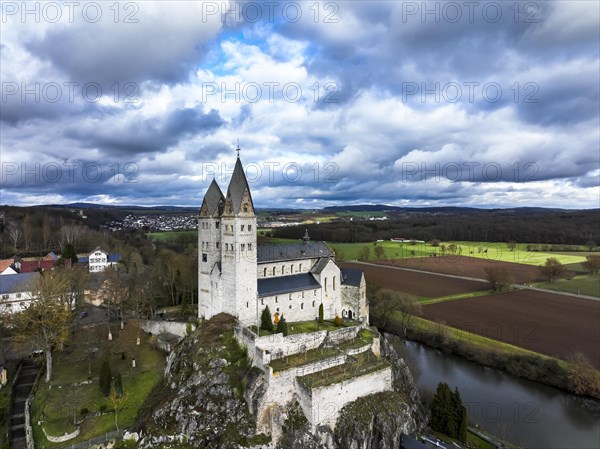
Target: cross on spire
x=238, y=148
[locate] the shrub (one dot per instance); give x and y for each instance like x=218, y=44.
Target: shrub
x=266, y=323
x=84, y=411
x=119, y=386
x=105, y=378
x=282, y=326
x=321, y=313
x=337, y=321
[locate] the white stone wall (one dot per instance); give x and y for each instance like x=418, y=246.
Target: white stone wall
x=322, y=405
x=238, y=277
x=296, y=306
x=162, y=327
x=15, y=302
x=286, y=268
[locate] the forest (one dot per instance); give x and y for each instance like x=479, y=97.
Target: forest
x=541, y=226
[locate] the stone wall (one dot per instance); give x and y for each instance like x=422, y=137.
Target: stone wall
x=178, y=328
x=284, y=268
x=322, y=405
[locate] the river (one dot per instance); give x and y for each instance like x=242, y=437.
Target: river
x=522, y=412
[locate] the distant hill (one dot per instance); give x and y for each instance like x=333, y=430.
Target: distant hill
x=448, y=209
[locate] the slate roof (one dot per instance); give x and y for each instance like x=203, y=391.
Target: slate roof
x=113, y=258
x=97, y=249
x=237, y=187
x=286, y=284
x=320, y=265
x=351, y=276
x=214, y=198
x=276, y=253
x=83, y=260
x=15, y=283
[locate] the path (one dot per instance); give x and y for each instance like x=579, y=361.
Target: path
x=24, y=380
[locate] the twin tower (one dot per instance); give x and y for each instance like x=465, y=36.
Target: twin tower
x=227, y=275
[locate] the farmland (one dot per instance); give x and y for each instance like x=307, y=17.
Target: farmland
x=418, y=284
x=547, y=323
x=477, y=250
x=469, y=267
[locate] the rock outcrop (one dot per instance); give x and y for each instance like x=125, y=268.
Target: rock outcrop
x=210, y=393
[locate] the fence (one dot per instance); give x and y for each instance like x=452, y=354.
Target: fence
x=97, y=440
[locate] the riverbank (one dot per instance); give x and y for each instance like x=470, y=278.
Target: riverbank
x=573, y=378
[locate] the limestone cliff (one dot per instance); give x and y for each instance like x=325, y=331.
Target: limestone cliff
x=201, y=403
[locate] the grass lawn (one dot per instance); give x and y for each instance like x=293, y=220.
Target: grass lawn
x=300, y=359
x=423, y=300
x=309, y=326
x=492, y=251
x=55, y=404
x=478, y=341
x=584, y=285
x=361, y=364
x=361, y=214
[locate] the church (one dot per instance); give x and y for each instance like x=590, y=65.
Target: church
x=239, y=277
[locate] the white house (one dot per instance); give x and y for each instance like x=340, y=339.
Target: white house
x=16, y=291
x=98, y=260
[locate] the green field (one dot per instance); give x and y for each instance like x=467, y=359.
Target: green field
x=483, y=250
x=579, y=285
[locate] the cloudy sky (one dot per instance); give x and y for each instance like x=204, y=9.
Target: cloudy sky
x=484, y=104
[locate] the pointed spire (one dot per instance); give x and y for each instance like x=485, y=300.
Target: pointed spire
x=239, y=191
x=214, y=198
x=306, y=237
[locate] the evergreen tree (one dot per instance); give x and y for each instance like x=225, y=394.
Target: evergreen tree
x=266, y=323
x=462, y=430
x=282, y=326
x=118, y=386
x=69, y=253
x=105, y=378
x=443, y=418
x=321, y=313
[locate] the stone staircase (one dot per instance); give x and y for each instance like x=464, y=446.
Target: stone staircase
x=24, y=380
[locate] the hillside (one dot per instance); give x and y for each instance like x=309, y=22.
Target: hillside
x=201, y=403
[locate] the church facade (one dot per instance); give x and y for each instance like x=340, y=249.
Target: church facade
x=238, y=277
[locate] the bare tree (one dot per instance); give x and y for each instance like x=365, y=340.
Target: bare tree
x=592, y=264
x=553, y=269
x=498, y=278
x=46, y=231
x=15, y=234
x=45, y=324
x=386, y=303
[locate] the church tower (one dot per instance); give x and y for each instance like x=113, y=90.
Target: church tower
x=227, y=279
x=209, y=251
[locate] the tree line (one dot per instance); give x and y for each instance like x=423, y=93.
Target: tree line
x=543, y=227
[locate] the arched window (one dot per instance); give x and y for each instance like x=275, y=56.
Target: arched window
x=302, y=306
x=273, y=271
x=292, y=268
x=325, y=284
x=265, y=273
x=334, y=282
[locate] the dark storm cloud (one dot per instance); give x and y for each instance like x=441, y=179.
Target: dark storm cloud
x=130, y=136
